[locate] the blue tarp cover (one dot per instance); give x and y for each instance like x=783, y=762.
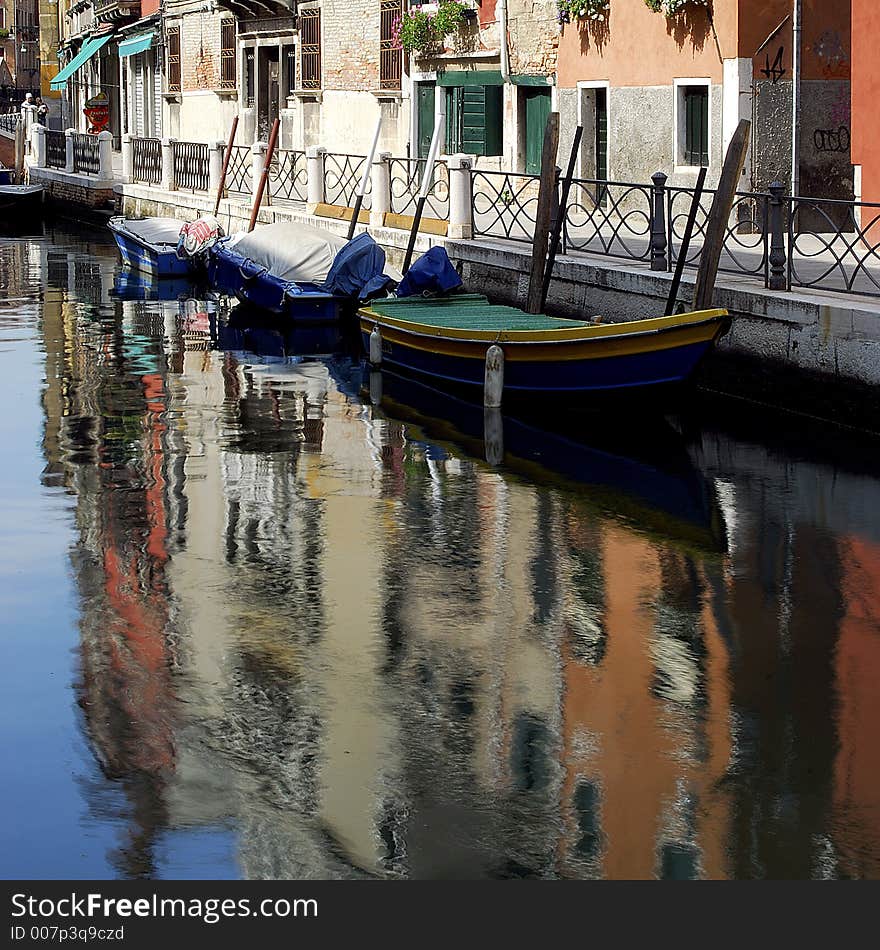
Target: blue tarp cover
x=358, y=269
x=432, y=273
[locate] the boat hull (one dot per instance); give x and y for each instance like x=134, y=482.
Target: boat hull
x=18, y=201
x=611, y=359
x=232, y=274
x=161, y=261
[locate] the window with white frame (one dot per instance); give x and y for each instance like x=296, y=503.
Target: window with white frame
x=692, y=125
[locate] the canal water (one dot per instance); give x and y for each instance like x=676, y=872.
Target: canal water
x=265, y=616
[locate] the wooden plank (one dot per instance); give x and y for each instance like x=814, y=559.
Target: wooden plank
x=544, y=212
x=340, y=212
x=426, y=225
x=719, y=215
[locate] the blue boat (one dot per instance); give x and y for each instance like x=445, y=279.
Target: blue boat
x=447, y=339
x=303, y=273
x=150, y=244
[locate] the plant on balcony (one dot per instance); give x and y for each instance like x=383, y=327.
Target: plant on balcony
x=418, y=31
x=671, y=8
x=4, y=34
x=596, y=11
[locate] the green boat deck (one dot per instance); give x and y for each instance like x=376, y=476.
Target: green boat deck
x=468, y=312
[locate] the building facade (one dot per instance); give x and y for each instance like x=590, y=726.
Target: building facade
x=865, y=93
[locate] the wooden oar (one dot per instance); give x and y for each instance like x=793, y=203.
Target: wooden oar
x=264, y=178
x=427, y=178
x=719, y=214
x=546, y=190
x=226, y=159
x=362, y=190
x=686, y=241
x=560, y=217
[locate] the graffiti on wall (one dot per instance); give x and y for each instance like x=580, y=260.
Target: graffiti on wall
x=831, y=140
x=774, y=71
x=832, y=56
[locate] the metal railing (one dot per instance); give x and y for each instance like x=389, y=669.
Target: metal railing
x=85, y=153
x=504, y=204
x=342, y=176
x=239, y=173
x=190, y=162
x=611, y=218
x=288, y=175
x=146, y=161
x=56, y=149
x=406, y=180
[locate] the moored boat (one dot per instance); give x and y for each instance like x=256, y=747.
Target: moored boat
x=150, y=244
x=447, y=338
x=20, y=199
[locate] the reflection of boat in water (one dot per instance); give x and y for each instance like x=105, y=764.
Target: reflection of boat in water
x=641, y=475
x=247, y=328
x=130, y=284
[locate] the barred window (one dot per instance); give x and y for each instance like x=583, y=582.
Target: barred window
x=173, y=37
x=227, y=54
x=310, y=48
x=249, y=78
x=289, y=53
x=390, y=52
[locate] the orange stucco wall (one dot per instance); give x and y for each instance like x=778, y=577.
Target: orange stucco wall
x=149, y=6
x=643, y=48
x=866, y=95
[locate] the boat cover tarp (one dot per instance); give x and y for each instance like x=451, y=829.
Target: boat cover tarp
x=290, y=251
x=358, y=270
x=431, y=274
x=154, y=230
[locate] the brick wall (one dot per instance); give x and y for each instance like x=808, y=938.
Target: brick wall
x=199, y=50
x=534, y=36
x=350, y=40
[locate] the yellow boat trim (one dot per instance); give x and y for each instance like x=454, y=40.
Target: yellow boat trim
x=651, y=326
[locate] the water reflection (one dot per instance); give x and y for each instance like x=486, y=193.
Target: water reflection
x=332, y=629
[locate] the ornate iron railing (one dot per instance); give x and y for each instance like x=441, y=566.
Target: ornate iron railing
x=288, y=175
x=8, y=121
x=56, y=149
x=85, y=153
x=406, y=180
x=239, y=173
x=190, y=162
x=746, y=240
x=146, y=160
x=342, y=177
x=833, y=245
x=504, y=204
x=610, y=218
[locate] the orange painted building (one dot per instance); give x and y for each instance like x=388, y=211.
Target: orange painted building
x=666, y=93
x=865, y=95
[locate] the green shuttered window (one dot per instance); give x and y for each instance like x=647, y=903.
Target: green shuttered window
x=473, y=119
x=696, y=104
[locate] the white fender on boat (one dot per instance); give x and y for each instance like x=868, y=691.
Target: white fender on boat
x=376, y=347
x=493, y=387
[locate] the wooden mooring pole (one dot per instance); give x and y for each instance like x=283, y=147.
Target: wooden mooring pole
x=546, y=195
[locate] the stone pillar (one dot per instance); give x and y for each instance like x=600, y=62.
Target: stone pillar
x=127, y=157
x=215, y=165
x=461, y=193
x=68, y=146
x=380, y=177
x=258, y=163
x=105, y=156
x=38, y=146
x=315, y=171
x=168, y=183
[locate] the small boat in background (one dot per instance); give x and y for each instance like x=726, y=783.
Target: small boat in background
x=297, y=271
x=150, y=244
x=21, y=199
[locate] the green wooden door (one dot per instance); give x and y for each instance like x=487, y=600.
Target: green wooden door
x=425, y=106
x=537, y=112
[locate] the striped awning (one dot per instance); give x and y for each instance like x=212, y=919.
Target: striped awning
x=88, y=50
x=136, y=44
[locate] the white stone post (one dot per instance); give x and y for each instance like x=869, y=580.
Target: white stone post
x=127, y=157
x=38, y=152
x=258, y=163
x=105, y=156
x=380, y=178
x=461, y=188
x=68, y=149
x=315, y=172
x=168, y=183
x=215, y=165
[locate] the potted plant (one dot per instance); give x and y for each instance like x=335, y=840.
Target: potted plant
x=595, y=11
x=671, y=8
x=421, y=32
